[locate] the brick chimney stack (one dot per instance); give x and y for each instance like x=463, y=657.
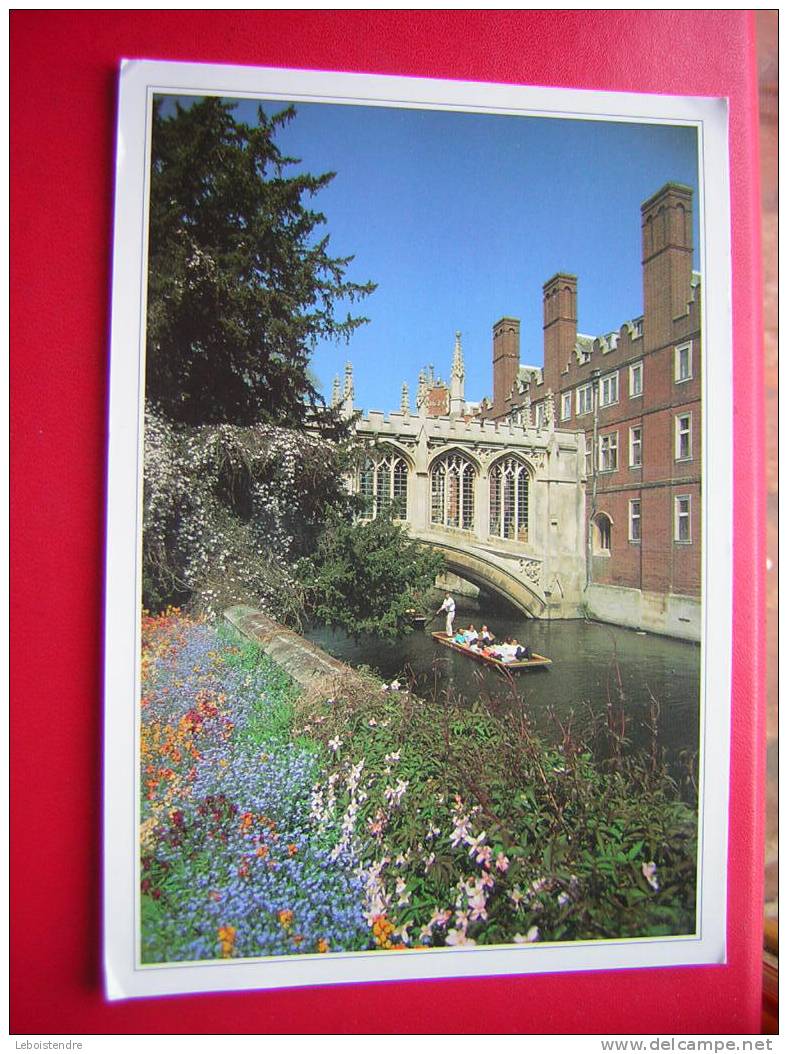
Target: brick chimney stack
x=506, y=362
x=666, y=221
x=559, y=299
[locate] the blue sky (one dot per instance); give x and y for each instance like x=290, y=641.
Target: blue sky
x=460, y=218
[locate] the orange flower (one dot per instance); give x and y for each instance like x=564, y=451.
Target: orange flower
x=382, y=929
x=292, y=849
x=285, y=918
x=262, y=851
x=227, y=940
x=322, y=945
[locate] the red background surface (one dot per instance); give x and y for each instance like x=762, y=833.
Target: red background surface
x=63, y=97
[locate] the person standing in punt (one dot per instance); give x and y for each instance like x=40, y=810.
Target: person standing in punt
x=449, y=607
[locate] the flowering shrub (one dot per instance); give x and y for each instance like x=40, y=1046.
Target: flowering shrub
x=228, y=510
x=232, y=864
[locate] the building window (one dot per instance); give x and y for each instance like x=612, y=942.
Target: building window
x=509, y=499
x=383, y=483
x=635, y=379
x=608, y=390
x=634, y=520
x=602, y=533
x=453, y=479
x=566, y=406
x=608, y=452
x=635, y=447
x=539, y=415
x=684, y=437
x=585, y=399
x=681, y=526
x=683, y=362
x=589, y=455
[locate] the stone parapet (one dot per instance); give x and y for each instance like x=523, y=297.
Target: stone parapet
x=452, y=429
x=305, y=662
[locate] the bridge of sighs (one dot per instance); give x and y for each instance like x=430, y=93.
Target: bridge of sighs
x=504, y=503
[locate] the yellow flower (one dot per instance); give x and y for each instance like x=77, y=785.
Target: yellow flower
x=227, y=940
x=322, y=945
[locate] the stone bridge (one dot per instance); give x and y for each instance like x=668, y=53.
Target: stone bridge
x=504, y=504
x=516, y=579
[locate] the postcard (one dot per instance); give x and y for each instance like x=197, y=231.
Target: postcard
x=419, y=536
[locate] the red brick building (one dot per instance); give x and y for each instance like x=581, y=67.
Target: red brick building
x=636, y=394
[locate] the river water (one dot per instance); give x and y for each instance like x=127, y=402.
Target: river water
x=589, y=658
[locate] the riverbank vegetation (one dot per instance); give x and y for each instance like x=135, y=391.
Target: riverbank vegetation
x=361, y=817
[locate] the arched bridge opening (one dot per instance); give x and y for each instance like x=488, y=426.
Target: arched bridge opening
x=490, y=577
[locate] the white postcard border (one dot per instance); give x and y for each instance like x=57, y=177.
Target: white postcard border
x=138, y=81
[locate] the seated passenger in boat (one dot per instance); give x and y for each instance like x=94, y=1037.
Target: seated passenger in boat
x=508, y=650
x=471, y=636
x=522, y=651
x=485, y=636
x=459, y=637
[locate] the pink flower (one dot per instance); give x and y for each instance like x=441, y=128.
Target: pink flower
x=474, y=844
x=458, y=937
x=461, y=919
x=439, y=918
x=487, y=880
x=478, y=906
x=484, y=856
x=460, y=832
x=502, y=862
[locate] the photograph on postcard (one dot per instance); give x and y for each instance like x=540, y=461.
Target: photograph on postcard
x=422, y=552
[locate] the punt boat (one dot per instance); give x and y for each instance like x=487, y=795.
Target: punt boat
x=535, y=662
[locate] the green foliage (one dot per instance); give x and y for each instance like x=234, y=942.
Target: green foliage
x=367, y=576
x=241, y=284
x=269, y=720
x=572, y=848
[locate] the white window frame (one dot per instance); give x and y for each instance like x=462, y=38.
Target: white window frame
x=588, y=462
x=633, y=517
x=639, y=462
x=677, y=353
x=678, y=516
x=610, y=380
x=678, y=433
x=566, y=406
x=636, y=367
x=612, y=447
x=583, y=390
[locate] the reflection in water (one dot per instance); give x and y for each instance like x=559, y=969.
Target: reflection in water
x=588, y=659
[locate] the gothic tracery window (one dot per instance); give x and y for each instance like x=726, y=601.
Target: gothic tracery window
x=383, y=483
x=509, y=482
x=453, y=480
